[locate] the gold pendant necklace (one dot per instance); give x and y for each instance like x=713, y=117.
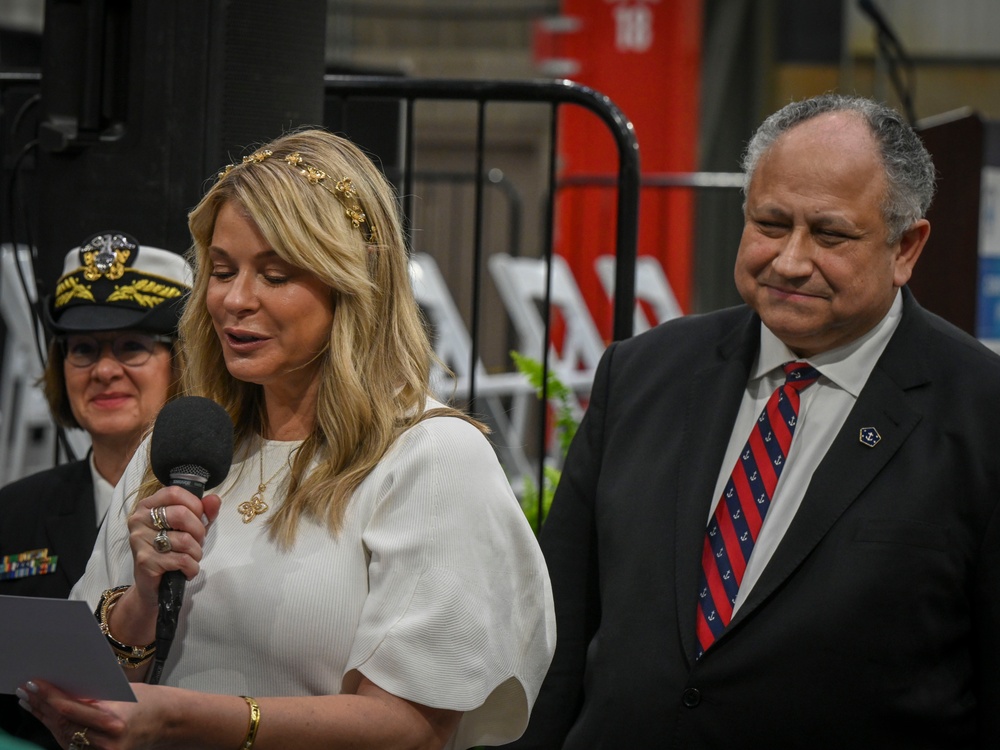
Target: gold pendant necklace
x=255, y=506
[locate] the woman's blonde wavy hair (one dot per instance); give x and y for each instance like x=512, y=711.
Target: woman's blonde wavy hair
x=375, y=368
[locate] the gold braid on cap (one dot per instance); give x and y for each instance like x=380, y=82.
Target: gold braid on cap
x=343, y=190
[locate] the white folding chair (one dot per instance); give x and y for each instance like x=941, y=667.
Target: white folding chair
x=453, y=347
x=27, y=432
x=522, y=283
x=651, y=286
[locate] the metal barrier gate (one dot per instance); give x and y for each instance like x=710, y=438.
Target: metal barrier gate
x=478, y=385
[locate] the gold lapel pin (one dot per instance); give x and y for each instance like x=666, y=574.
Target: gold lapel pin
x=869, y=436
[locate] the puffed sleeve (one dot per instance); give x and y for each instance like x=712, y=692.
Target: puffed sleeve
x=460, y=612
x=110, y=563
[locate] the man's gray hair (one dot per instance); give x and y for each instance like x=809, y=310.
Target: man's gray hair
x=909, y=170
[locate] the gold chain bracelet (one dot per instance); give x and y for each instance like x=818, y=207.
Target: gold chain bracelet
x=130, y=657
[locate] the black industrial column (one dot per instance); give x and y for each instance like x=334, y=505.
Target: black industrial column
x=144, y=100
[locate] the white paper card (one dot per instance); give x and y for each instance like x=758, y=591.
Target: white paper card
x=59, y=641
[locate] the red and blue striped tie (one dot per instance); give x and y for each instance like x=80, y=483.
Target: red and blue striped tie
x=734, y=527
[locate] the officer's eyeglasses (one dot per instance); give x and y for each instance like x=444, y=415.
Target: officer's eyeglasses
x=131, y=349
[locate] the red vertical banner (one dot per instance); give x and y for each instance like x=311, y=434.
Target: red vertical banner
x=646, y=56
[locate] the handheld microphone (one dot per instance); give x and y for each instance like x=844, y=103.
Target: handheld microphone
x=191, y=447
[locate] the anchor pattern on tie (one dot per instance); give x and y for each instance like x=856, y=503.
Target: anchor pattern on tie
x=746, y=498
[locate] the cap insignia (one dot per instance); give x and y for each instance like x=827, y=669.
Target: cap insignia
x=106, y=255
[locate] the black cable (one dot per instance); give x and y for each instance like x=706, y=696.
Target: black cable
x=896, y=57
x=15, y=195
x=22, y=111
x=902, y=88
x=12, y=194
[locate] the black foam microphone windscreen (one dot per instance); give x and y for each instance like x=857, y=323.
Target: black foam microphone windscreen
x=192, y=435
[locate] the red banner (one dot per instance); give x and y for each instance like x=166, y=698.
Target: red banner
x=646, y=56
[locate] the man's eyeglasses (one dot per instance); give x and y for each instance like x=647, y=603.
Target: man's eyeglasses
x=131, y=349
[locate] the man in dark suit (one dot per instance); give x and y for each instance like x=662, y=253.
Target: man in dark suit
x=110, y=368
x=860, y=607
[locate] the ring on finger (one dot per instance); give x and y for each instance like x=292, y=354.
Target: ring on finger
x=159, y=516
x=162, y=542
x=79, y=740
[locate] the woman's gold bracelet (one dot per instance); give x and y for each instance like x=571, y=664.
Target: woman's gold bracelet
x=130, y=657
x=254, y=723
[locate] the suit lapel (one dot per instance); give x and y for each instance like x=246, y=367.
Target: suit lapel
x=71, y=524
x=850, y=465
x=713, y=399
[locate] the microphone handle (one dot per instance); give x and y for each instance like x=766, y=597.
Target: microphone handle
x=171, y=590
x=171, y=596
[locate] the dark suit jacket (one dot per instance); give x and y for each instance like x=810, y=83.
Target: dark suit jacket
x=875, y=624
x=53, y=509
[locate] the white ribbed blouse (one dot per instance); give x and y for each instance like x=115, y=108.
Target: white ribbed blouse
x=435, y=588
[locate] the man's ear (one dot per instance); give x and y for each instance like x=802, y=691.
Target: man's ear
x=911, y=244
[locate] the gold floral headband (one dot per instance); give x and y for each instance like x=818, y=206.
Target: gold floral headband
x=343, y=189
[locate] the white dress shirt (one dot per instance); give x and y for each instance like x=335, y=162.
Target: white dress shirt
x=103, y=491
x=823, y=409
